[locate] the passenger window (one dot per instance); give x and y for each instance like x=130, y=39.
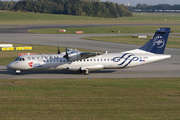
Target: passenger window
x=104, y=59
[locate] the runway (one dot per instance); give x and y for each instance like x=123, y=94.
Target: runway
x=166, y=68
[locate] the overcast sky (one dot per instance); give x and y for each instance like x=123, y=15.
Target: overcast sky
x=148, y=2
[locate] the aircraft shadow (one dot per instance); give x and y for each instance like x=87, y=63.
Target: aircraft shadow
x=12, y=72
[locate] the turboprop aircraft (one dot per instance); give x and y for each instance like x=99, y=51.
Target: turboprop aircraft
x=84, y=62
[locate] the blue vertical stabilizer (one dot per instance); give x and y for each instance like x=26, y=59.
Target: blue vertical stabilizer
x=158, y=43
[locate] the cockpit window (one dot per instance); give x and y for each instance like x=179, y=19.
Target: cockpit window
x=21, y=59
x=17, y=58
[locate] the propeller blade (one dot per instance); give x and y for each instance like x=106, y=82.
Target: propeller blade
x=66, y=55
x=59, y=50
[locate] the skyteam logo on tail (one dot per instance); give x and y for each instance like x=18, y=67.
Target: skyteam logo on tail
x=125, y=59
x=158, y=42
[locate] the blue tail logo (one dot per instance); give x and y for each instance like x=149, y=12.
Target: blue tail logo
x=158, y=43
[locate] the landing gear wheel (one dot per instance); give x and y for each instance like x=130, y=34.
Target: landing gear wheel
x=85, y=72
x=18, y=72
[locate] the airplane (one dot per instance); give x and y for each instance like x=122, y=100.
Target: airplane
x=85, y=62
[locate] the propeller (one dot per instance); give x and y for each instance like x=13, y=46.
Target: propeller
x=66, y=55
x=59, y=50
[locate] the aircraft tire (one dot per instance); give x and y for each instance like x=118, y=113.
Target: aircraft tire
x=18, y=72
x=85, y=72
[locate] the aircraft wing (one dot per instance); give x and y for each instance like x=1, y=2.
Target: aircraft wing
x=89, y=54
x=81, y=55
x=73, y=54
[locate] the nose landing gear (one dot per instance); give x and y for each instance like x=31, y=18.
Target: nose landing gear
x=18, y=72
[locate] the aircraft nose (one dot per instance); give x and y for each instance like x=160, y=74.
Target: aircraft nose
x=10, y=65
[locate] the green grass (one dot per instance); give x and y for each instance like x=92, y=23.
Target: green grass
x=172, y=42
x=125, y=99
x=156, y=16
x=176, y=35
x=8, y=56
x=38, y=18
x=20, y=18
x=105, y=30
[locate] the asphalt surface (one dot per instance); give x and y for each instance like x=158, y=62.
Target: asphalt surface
x=165, y=68
x=25, y=28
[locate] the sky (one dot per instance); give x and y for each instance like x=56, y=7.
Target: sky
x=148, y=2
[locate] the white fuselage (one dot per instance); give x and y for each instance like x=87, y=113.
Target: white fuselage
x=104, y=61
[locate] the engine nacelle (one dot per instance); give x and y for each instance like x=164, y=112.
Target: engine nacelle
x=73, y=68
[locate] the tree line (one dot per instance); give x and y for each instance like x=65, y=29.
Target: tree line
x=152, y=8
x=7, y=5
x=94, y=8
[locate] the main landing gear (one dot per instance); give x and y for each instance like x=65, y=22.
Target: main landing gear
x=85, y=72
